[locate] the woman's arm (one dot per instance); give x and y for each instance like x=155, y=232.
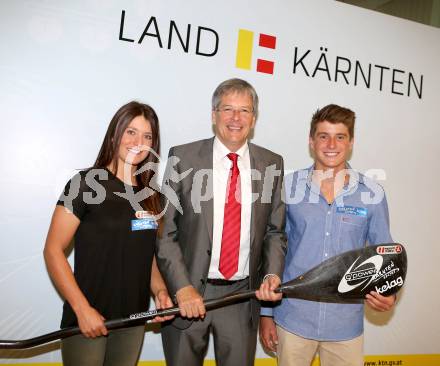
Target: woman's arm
x=160, y=292
x=61, y=231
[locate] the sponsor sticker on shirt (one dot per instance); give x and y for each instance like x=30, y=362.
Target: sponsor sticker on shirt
x=143, y=224
x=144, y=214
x=351, y=210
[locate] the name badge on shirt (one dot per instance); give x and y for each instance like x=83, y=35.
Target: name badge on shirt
x=143, y=224
x=350, y=210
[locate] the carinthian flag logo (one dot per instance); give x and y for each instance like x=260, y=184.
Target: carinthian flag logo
x=245, y=47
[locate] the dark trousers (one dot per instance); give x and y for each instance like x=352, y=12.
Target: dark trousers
x=234, y=336
x=120, y=348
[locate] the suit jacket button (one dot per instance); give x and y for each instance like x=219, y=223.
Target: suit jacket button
x=208, y=252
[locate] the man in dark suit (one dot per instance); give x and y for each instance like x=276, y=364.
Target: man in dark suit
x=222, y=232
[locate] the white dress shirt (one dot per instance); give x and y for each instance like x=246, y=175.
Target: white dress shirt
x=221, y=168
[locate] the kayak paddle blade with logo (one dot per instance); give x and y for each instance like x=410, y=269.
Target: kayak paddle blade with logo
x=348, y=277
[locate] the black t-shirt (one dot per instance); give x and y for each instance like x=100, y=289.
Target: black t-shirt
x=113, y=256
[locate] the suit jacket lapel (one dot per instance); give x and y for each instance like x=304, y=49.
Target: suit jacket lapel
x=205, y=162
x=257, y=187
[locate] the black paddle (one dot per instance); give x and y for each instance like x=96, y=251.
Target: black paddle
x=345, y=278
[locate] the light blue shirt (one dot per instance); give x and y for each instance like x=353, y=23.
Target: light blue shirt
x=317, y=231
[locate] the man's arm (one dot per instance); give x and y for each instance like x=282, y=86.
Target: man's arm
x=380, y=303
x=379, y=232
x=274, y=244
x=168, y=252
x=268, y=333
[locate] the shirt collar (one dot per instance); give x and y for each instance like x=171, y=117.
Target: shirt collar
x=355, y=177
x=220, y=150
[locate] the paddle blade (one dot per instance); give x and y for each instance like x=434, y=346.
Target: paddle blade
x=348, y=277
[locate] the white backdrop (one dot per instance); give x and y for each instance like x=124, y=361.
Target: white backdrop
x=64, y=72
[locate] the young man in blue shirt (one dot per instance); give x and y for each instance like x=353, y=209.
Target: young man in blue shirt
x=330, y=209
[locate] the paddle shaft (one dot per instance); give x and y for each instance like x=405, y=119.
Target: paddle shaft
x=134, y=319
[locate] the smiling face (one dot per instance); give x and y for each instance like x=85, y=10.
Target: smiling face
x=331, y=145
x=135, y=142
x=234, y=119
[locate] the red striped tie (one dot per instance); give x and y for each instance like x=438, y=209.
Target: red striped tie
x=231, y=224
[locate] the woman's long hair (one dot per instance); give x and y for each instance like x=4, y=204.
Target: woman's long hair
x=110, y=147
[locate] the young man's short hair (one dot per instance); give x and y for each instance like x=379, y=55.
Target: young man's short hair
x=334, y=114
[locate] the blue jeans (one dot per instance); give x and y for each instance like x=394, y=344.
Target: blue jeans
x=120, y=348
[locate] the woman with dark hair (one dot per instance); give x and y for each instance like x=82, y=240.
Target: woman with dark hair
x=114, y=234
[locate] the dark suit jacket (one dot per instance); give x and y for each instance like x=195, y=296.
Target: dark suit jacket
x=184, y=247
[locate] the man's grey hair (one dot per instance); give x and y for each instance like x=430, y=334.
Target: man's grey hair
x=235, y=86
